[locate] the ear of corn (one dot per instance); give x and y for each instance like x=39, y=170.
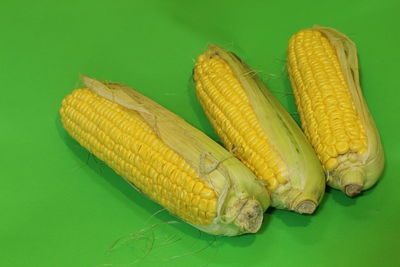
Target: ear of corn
x=256, y=128
x=165, y=158
x=323, y=70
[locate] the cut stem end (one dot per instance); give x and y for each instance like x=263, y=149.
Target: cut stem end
x=306, y=207
x=250, y=217
x=352, y=181
x=352, y=190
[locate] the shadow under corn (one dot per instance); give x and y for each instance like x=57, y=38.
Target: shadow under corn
x=293, y=219
x=341, y=198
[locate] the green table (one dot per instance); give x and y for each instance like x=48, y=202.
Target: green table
x=60, y=207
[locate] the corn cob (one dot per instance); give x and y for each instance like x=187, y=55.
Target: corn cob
x=253, y=125
x=165, y=158
x=323, y=69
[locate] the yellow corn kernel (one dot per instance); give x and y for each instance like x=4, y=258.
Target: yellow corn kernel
x=342, y=147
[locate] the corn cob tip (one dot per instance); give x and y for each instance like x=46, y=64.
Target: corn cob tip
x=250, y=217
x=306, y=207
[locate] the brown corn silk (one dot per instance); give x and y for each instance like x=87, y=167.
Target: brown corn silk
x=256, y=128
x=165, y=158
x=323, y=69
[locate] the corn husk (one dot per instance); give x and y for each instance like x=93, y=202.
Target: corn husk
x=354, y=176
x=305, y=185
x=242, y=198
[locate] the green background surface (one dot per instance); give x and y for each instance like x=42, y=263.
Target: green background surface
x=59, y=206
